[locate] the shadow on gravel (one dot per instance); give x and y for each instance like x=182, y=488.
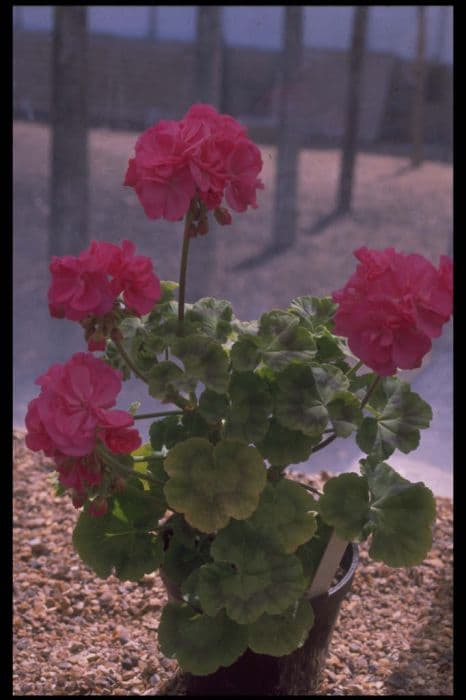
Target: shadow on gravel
x=413, y=662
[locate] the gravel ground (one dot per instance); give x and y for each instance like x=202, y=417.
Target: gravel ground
x=75, y=634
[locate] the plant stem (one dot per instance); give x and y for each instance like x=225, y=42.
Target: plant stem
x=324, y=443
x=309, y=488
x=371, y=390
x=183, y=269
x=354, y=369
x=141, y=416
x=128, y=360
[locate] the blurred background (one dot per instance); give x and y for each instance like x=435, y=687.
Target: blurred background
x=350, y=106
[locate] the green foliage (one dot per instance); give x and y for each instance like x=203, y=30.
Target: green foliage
x=400, y=414
x=285, y=514
x=303, y=393
x=250, y=576
x=278, y=635
x=251, y=405
x=282, y=446
x=167, y=379
x=187, y=549
x=212, y=406
x=401, y=517
x=200, y=643
x=243, y=550
x=345, y=504
x=204, y=359
x=211, y=317
x=211, y=484
x=121, y=541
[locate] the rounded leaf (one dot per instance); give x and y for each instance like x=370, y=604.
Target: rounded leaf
x=250, y=575
x=286, y=513
x=200, y=643
x=211, y=484
x=278, y=635
x=345, y=504
x=120, y=540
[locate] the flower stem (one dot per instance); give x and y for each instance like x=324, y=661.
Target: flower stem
x=128, y=360
x=354, y=369
x=141, y=416
x=324, y=443
x=183, y=269
x=371, y=390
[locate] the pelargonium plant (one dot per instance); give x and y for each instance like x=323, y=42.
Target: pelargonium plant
x=208, y=501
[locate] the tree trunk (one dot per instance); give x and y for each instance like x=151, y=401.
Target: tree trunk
x=350, y=138
x=69, y=181
x=417, y=154
x=203, y=273
x=288, y=142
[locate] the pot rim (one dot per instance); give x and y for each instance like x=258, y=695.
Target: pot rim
x=354, y=549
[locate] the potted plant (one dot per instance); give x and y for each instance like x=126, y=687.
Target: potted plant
x=248, y=555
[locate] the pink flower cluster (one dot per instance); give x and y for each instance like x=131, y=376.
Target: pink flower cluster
x=392, y=306
x=206, y=154
x=89, y=284
x=72, y=413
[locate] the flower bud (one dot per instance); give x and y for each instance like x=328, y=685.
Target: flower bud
x=98, y=507
x=222, y=216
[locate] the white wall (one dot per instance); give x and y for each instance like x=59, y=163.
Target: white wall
x=391, y=28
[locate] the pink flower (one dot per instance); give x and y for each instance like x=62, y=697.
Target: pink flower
x=73, y=405
x=122, y=441
x=89, y=285
x=206, y=155
x=134, y=276
x=78, y=289
x=391, y=308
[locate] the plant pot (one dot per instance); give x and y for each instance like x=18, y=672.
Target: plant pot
x=297, y=673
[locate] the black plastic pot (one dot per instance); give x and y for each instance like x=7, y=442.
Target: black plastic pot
x=295, y=674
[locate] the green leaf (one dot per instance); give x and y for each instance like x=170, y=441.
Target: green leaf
x=212, y=406
x=282, y=446
x=251, y=406
x=166, y=432
x=345, y=413
x=121, y=539
x=302, y=394
x=212, y=316
x=166, y=379
x=286, y=513
x=245, y=355
x=200, y=643
x=282, y=340
x=345, y=504
x=278, y=635
x=168, y=290
x=403, y=520
x=315, y=312
x=205, y=360
x=250, y=576
x=401, y=413
x=401, y=517
x=211, y=484
x=187, y=549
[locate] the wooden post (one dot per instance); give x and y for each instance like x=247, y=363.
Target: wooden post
x=202, y=272
x=350, y=138
x=288, y=142
x=69, y=167
x=417, y=126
